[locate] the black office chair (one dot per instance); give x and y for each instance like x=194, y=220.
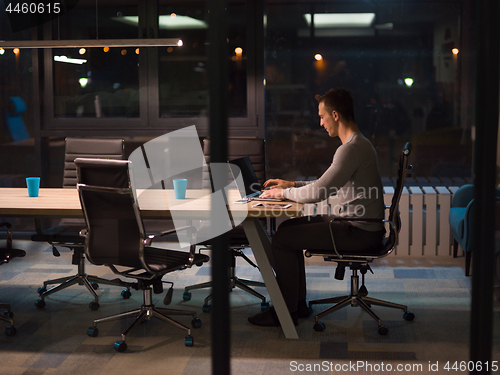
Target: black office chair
x=66, y=234
x=6, y=255
x=360, y=261
x=237, y=147
x=115, y=237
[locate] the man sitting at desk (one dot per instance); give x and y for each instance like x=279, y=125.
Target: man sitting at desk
x=354, y=177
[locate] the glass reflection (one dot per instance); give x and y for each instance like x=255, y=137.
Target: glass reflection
x=183, y=72
x=96, y=82
x=402, y=67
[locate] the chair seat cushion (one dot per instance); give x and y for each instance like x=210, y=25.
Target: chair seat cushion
x=456, y=219
x=165, y=260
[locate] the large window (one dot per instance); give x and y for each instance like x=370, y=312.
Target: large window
x=152, y=87
x=96, y=82
x=401, y=60
x=183, y=72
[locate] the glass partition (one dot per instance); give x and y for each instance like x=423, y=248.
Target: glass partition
x=400, y=60
x=98, y=82
x=183, y=72
x=17, y=112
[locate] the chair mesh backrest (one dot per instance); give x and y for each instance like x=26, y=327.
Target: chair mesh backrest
x=100, y=148
x=115, y=230
x=237, y=148
x=389, y=241
x=403, y=170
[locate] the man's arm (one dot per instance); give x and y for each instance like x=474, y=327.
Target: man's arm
x=344, y=164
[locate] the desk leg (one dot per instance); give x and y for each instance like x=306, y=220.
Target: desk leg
x=261, y=246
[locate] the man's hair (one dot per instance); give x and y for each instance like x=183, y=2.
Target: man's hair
x=339, y=100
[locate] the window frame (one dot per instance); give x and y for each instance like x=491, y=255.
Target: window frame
x=149, y=122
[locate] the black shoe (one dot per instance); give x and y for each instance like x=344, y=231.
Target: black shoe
x=268, y=318
x=303, y=311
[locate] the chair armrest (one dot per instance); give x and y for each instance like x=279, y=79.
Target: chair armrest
x=463, y=196
x=150, y=238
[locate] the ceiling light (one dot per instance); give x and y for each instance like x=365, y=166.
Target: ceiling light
x=83, y=82
x=326, y=20
x=156, y=42
x=66, y=59
x=168, y=22
x=409, y=82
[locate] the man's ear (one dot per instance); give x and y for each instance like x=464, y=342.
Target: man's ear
x=335, y=115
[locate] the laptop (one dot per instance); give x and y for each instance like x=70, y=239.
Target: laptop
x=252, y=188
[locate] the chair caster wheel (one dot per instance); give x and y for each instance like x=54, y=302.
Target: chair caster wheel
x=196, y=323
x=319, y=326
x=206, y=308
x=10, y=331
x=383, y=330
x=120, y=346
x=41, y=290
x=40, y=303
x=92, y=331
x=188, y=341
x=8, y=314
x=408, y=316
x=186, y=296
x=126, y=294
x=95, y=286
x=94, y=306
x=264, y=305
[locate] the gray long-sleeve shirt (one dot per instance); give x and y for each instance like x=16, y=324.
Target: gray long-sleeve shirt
x=354, y=177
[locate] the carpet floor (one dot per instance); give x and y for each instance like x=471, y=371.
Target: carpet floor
x=54, y=340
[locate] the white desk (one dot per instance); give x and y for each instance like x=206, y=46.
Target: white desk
x=59, y=202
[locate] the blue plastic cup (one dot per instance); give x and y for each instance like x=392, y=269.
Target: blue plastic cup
x=33, y=184
x=180, y=185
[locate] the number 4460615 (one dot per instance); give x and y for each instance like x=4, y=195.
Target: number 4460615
x=471, y=366
x=33, y=8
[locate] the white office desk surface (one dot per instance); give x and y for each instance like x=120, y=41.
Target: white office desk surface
x=60, y=202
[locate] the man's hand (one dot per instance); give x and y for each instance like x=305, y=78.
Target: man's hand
x=272, y=193
x=278, y=183
x=276, y=187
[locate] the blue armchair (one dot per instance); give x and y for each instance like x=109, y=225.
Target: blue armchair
x=460, y=218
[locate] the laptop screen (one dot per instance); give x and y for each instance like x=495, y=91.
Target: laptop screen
x=250, y=180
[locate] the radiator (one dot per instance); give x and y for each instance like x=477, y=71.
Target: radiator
x=425, y=230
